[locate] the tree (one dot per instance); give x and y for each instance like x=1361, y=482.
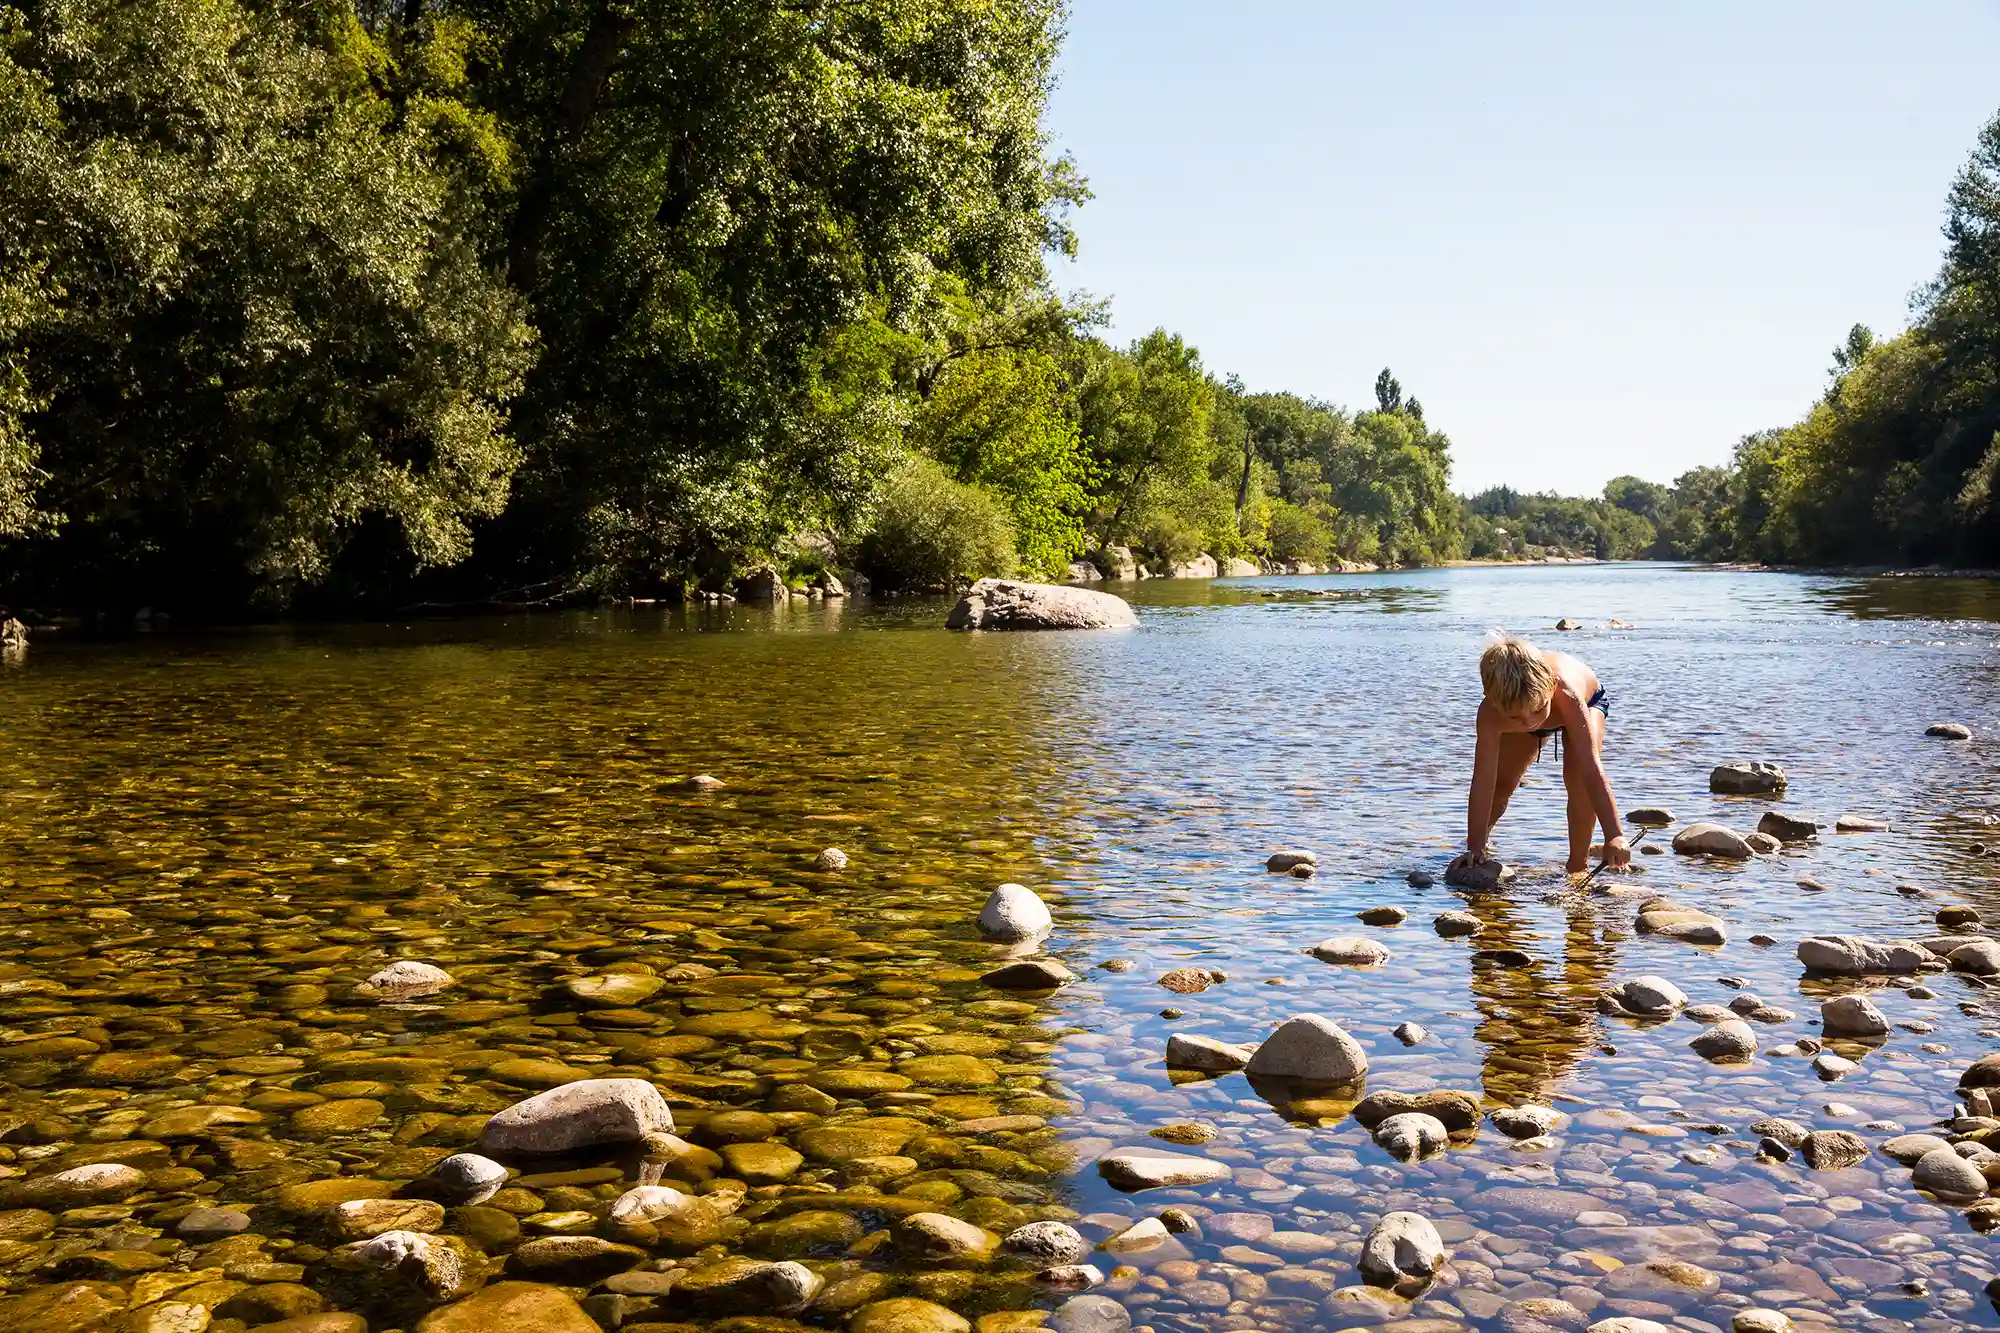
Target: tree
x=1647, y=499
x=245, y=319
x=1388, y=393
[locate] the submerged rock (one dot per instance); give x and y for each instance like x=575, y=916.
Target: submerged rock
x=1014, y=912
x=1860, y=824
x=1144, y=1171
x=747, y=1286
x=510, y=1305
x=1526, y=1122
x=1004, y=604
x=405, y=980
x=1029, y=974
x=1279, y=862
x=576, y=1115
x=1752, y=779
x=830, y=858
x=1403, y=1252
x=1311, y=1048
x=467, y=1178
x=1189, y=980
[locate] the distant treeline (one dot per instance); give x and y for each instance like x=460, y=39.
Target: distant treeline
x=357, y=306
x=1894, y=465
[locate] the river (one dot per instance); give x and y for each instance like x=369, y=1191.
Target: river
x=211, y=838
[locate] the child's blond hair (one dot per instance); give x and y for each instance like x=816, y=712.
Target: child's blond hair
x=1515, y=674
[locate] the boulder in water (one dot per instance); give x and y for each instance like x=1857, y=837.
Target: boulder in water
x=1029, y=974
x=1013, y=913
x=1403, y=1252
x=1002, y=604
x=404, y=980
x=1853, y=956
x=1740, y=779
x=1852, y=1016
x=1312, y=1048
x=1145, y=1171
x=1479, y=876
x=1350, y=950
x=1187, y=1050
x=1712, y=840
x=1949, y=731
x=1082, y=571
x=584, y=1114
x=1785, y=828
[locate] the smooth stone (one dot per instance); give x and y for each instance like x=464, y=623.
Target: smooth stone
x=1526, y=1122
x=1312, y=1048
x=1479, y=877
x=1403, y=1253
x=613, y=990
x=1029, y=974
x=1188, y=980
x=1851, y=955
x=1787, y=828
x=762, y=1163
x=1280, y=862
x=467, y=1178
x=1410, y=1034
x=1981, y=958
x=1350, y=950
x=1145, y=1234
x=1648, y=996
x=359, y=1219
x=934, y=1236
x=1852, y=1016
x=646, y=1203
x=1908, y=1148
x=1411, y=1135
x=1451, y=924
x=1733, y=1040
x=1832, y=1149
x=1045, y=1245
x=1944, y=1173
x=1141, y=1171
x=1860, y=824
x=1187, y=1050
x=510, y=1305
x=830, y=858
x=1711, y=840
x=405, y=980
x=1455, y=1110
x=1761, y=1321
x=572, y=1260
x=1385, y=915
x=585, y=1114
x=1013, y=913
x=1949, y=731
x=904, y=1314
x=1090, y=1314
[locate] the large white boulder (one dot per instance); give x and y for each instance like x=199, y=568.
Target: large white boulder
x=1853, y=956
x=1013, y=913
x=1006, y=604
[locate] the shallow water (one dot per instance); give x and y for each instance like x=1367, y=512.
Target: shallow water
x=211, y=838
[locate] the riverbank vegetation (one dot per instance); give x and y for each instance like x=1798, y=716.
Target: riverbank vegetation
x=1895, y=464
x=365, y=307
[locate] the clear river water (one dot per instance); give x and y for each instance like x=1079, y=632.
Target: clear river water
x=207, y=840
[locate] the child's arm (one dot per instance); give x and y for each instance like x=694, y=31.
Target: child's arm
x=1597, y=789
x=1485, y=775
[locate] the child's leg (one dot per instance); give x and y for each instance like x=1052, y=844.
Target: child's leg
x=1582, y=816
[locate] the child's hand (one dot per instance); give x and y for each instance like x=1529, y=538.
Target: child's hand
x=1617, y=853
x=1467, y=859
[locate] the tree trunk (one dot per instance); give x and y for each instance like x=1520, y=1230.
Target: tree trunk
x=584, y=94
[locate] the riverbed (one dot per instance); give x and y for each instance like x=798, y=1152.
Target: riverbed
x=211, y=838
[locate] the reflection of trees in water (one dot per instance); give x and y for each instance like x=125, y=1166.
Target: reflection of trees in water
x=1913, y=598
x=1536, y=1023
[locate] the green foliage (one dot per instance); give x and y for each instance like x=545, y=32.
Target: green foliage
x=1296, y=533
x=931, y=531
x=998, y=420
x=241, y=314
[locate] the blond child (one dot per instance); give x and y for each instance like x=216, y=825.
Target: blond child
x=1530, y=696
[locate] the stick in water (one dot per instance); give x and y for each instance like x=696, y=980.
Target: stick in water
x=1643, y=835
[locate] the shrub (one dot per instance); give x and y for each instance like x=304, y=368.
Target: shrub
x=1296, y=533
x=931, y=531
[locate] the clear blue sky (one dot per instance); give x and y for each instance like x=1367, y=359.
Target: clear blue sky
x=1592, y=238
